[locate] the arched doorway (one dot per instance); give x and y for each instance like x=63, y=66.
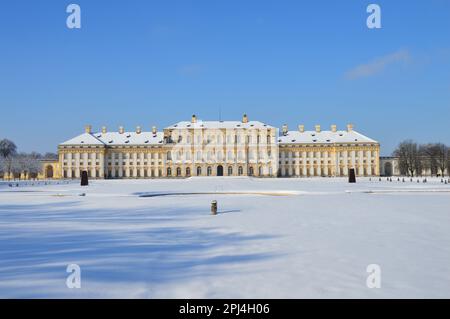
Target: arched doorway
x=220, y=170
x=49, y=171
x=388, y=169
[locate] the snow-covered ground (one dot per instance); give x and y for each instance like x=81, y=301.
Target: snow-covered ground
x=272, y=238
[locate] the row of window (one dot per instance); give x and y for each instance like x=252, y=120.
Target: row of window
x=317, y=173
x=323, y=162
x=322, y=154
x=210, y=139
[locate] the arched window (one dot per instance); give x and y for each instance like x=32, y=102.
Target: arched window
x=169, y=171
x=230, y=170
x=268, y=139
x=188, y=171
x=199, y=171
x=178, y=171
x=199, y=155
x=209, y=171
x=230, y=155
x=219, y=155
x=169, y=156
x=250, y=171
x=240, y=171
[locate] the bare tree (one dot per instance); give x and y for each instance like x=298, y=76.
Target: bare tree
x=442, y=154
x=409, y=158
x=7, y=151
x=448, y=161
x=429, y=154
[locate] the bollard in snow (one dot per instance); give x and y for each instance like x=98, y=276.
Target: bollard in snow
x=352, y=176
x=379, y=179
x=398, y=179
x=84, y=178
x=214, y=207
x=403, y=180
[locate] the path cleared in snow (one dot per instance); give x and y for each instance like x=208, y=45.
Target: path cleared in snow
x=314, y=241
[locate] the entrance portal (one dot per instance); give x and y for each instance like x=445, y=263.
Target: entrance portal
x=220, y=170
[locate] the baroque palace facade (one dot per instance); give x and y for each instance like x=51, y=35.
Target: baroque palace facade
x=216, y=148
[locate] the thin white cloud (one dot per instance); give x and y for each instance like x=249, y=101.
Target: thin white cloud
x=378, y=65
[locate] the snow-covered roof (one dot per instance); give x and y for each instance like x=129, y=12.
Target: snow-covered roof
x=116, y=138
x=324, y=137
x=219, y=125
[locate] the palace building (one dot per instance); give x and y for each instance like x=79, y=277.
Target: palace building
x=216, y=148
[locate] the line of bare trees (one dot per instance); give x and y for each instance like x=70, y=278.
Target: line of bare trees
x=12, y=161
x=419, y=159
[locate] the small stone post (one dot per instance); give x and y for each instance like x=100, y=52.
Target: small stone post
x=214, y=207
x=84, y=178
x=352, y=176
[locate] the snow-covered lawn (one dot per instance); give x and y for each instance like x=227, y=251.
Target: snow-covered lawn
x=272, y=238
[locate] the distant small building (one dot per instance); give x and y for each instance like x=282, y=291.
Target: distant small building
x=389, y=166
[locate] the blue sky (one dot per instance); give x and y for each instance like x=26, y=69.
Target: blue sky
x=157, y=62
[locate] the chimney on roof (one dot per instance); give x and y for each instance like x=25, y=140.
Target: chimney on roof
x=333, y=128
x=349, y=127
x=104, y=130
x=138, y=130
x=245, y=118
x=121, y=130
x=88, y=129
x=154, y=129
x=285, y=129
x=301, y=128
x=194, y=119
x=317, y=128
